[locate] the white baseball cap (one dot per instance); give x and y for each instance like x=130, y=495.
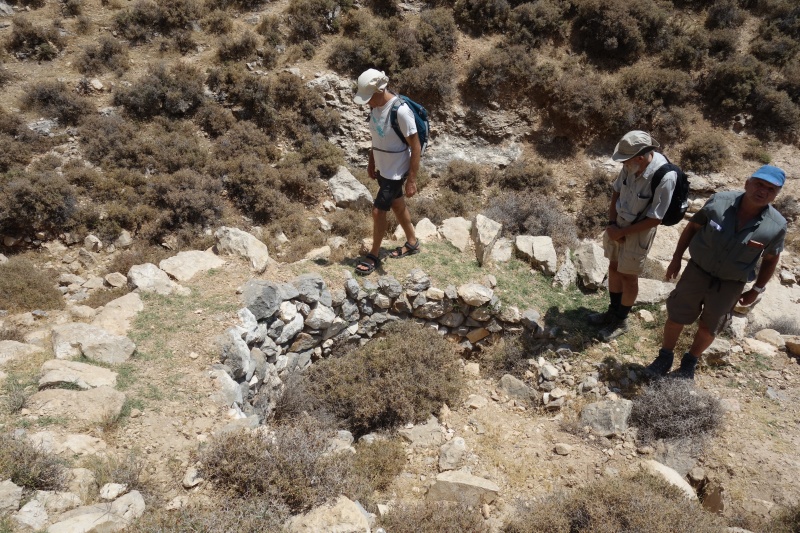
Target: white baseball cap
x=370, y=82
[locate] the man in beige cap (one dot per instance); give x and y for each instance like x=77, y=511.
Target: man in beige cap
x=633, y=216
x=393, y=161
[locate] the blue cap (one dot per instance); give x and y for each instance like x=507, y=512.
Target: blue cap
x=774, y=175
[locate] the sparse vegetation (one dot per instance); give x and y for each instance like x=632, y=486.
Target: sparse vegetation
x=674, y=408
x=24, y=287
x=35, y=42
x=174, y=90
x=30, y=466
x=434, y=517
x=530, y=213
x=705, y=153
x=55, y=99
x=107, y=54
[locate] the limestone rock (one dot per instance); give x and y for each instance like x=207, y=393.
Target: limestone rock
x=10, y=496
x=538, y=251
x=94, y=405
x=428, y=434
x=116, y=280
x=607, y=418
x=150, y=278
x=591, y=265
x=485, y=233
x=563, y=449
x=425, y=230
x=456, y=231
x=232, y=241
x=227, y=391
x=451, y=454
x=515, y=388
x=669, y=475
x=33, y=515
x=770, y=336
x=718, y=352
x=502, y=250
x=475, y=294
x=348, y=192
x=13, y=350
x=75, y=339
x=263, y=298
x=235, y=353
x=117, y=315
x=185, y=265
x=567, y=274
x=57, y=502
x=112, y=491
x=341, y=516
x=792, y=344
x=417, y=280
x=311, y=289
x=457, y=486
x=58, y=373
x=652, y=291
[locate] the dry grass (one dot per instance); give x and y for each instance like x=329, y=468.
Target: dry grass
x=434, y=517
x=127, y=469
x=638, y=503
x=103, y=296
x=673, y=408
x=29, y=465
x=24, y=287
x=242, y=516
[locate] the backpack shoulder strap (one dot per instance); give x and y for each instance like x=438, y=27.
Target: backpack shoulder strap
x=393, y=118
x=655, y=181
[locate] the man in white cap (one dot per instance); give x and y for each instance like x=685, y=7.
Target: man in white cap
x=633, y=216
x=393, y=161
x=726, y=239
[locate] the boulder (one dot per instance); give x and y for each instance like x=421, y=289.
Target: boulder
x=311, y=289
x=227, y=391
x=348, y=192
x=475, y=294
x=150, y=278
x=652, y=291
x=718, y=352
x=485, y=233
x=502, y=250
x=58, y=373
x=515, y=388
x=13, y=350
x=57, y=502
x=185, y=265
x=538, y=251
x=101, y=518
x=116, y=280
x=425, y=230
x=93, y=342
x=457, y=486
x=451, y=454
x=33, y=515
x=232, y=241
x=94, y=405
x=341, y=516
x=424, y=435
x=263, y=298
x=669, y=475
x=236, y=354
x=607, y=418
x=10, y=496
x=591, y=265
x=117, y=315
x=770, y=336
x=456, y=231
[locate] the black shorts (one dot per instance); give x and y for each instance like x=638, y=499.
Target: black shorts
x=389, y=191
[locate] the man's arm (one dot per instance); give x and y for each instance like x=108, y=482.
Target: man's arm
x=416, y=154
x=612, y=209
x=768, y=265
x=688, y=233
x=371, y=165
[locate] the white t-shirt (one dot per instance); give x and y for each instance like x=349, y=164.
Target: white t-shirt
x=392, y=156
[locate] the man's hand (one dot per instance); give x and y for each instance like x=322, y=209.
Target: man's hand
x=748, y=298
x=371, y=168
x=411, y=188
x=673, y=269
x=615, y=233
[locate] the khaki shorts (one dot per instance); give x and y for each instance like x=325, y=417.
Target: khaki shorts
x=698, y=294
x=630, y=253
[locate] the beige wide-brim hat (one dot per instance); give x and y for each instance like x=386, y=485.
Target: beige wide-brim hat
x=370, y=82
x=632, y=143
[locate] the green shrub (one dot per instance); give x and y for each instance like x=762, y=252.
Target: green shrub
x=729, y=85
x=270, y=29
x=310, y=20
x=38, y=42
x=620, y=31
x=434, y=517
x=372, y=43
x=176, y=90
x=54, y=99
x=404, y=376
x=504, y=72
x=146, y=17
x=638, y=503
x=432, y=83
x=256, y=188
x=532, y=23
x=791, y=80
x=244, y=138
x=218, y=22
x=319, y=157
x=291, y=466
x=23, y=287
x=775, y=114
x=482, y=16
x=30, y=466
x=35, y=201
x=529, y=213
x=107, y=54
x=214, y=119
x=722, y=43
x=238, y=48
x=705, y=153
x=674, y=408
x=597, y=199
x=526, y=175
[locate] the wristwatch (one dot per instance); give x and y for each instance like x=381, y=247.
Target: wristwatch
x=759, y=290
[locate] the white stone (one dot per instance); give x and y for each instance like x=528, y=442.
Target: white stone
x=112, y=491
x=57, y=373
x=10, y=496
x=32, y=515
x=426, y=230
x=457, y=486
x=13, y=351
x=485, y=233
x=348, y=192
x=185, y=265
x=590, y=264
x=94, y=405
x=341, y=516
x=456, y=231
x=149, y=278
x=475, y=294
x=502, y=250
x=234, y=241
x=75, y=339
x=669, y=475
x=117, y=315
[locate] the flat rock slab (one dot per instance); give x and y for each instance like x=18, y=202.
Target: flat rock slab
x=457, y=231
x=341, y=516
x=101, y=518
x=669, y=475
x=186, y=265
x=428, y=434
x=95, y=343
x=233, y=241
x=117, y=315
x=606, y=418
x=150, y=278
x=652, y=291
x=13, y=350
x=10, y=496
x=60, y=373
x=457, y=486
x=93, y=405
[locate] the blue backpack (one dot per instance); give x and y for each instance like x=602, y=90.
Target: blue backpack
x=420, y=118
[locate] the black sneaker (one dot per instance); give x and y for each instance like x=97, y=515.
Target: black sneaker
x=616, y=328
x=688, y=364
x=602, y=319
x=662, y=364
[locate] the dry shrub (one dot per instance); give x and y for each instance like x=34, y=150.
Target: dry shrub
x=9, y=333
x=304, y=235
x=776, y=41
x=788, y=521
x=244, y=138
x=445, y=205
x=705, y=153
x=650, y=87
x=725, y=14
x=775, y=114
x=529, y=213
x=351, y=225
x=6, y=76
x=730, y=84
x=687, y=49
x=507, y=357
x=526, y=175
x=463, y=177
x=638, y=503
x=290, y=467
x=17, y=142
x=101, y=297
x=532, y=23
x=482, y=16
x=176, y=90
x=270, y=29
x=318, y=158
x=238, y=48
x=144, y=253
x=30, y=466
x=214, y=119
x=788, y=206
x=146, y=18
x=373, y=43
x=218, y=22
x=503, y=72
x=35, y=201
x=432, y=83
x=376, y=465
x=791, y=80
x=756, y=151
x=54, y=99
x=436, y=32
x=310, y=20
x=786, y=325
x=37, y=42
x=674, y=408
x=73, y=8
x=107, y=54
x=108, y=141
x=128, y=469
x=597, y=199
x=23, y=287
x=404, y=376
x=434, y=517
x=184, y=200
x=242, y=516
x=15, y=392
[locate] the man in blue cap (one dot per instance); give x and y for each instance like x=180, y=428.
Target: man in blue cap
x=726, y=239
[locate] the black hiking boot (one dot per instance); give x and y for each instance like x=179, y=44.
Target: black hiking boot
x=602, y=319
x=688, y=364
x=662, y=364
x=618, y=327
